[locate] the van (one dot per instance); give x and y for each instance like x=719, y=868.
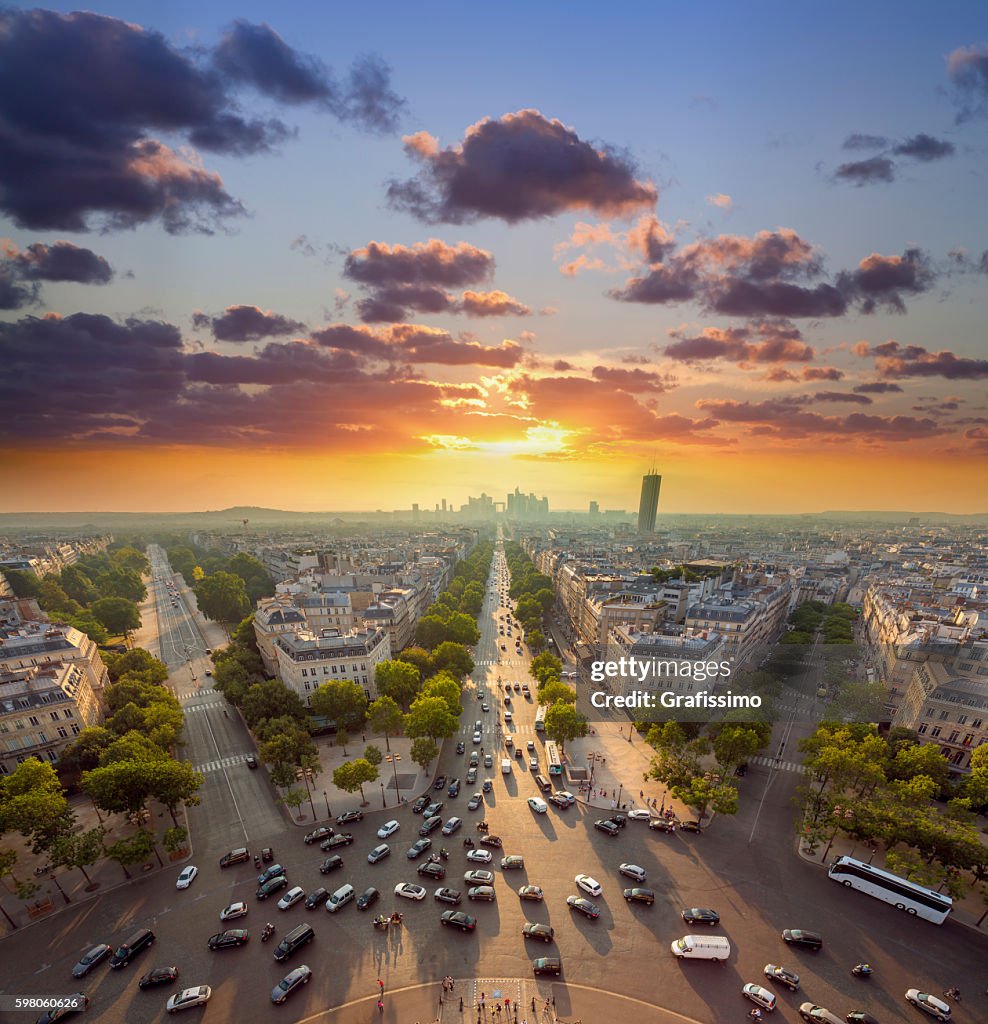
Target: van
x=340, y=898
x=296, y=938
x=505, y=766
x=543, y=783
x=702, y=947
x=141, y=939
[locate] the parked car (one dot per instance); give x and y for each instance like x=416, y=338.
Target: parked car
x=542, y=932
x=482, y=892
x=588, y=885
x=480, y=856
x=447, y=895
x=701, y=915
x=478, y=877
x=333, y=863
x=335, y=842
x=430, y=869
x=640, y=895
x=440, y=782
x=759, y=995
x=347, y=816
x=452, y=826
x=379, y=853
x=458, y=919
x=532, y=893
x=410, y=891
x=690, y=826
x=513, y=863
x=294, y=895
x=388, y=829
x=272, y=885
x=818, y=1014
x=583, y=906
x=547, y=965
x=632, y=871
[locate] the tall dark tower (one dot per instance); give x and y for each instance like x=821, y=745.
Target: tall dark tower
x=649, y=503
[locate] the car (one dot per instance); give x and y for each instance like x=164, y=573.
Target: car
x=188, y=998
x=607, y=827
x=513, y=863
x=410, y=891
x=294, y=895
x=690, y=826
x=335, y=842
x=233, y=911
x=91, y=958
x=490, y=840
x=479, y=877
x=79, y=1003
x=589, y=885
x=158, y=976
x=471, y=776
x=388, y=829
x=488, y=785
x=936, y=1008
x=420, y=804
x=542, y=932
x=430, y=824
x=316, y=898
x=562, y=799
x=271, y=872
x=418, y=848
x=488, y=761
x=333, y=863
x=367, y=898
x=187, y=877
x=485, y=707
x=818, y=1014
x=759, y=995
x=523, y=687
x=474, y=802
x=530, y=746
x=272, y=885
x=454, y=789
x=474, y=759
x=482, y=892
x=251, y=761
x=379, y=853
x=662, y=825
x=538, y=805
x=431, y=870
x=640, y=895
x=318, y=834
x=267, y=855
x=452, y=826
x=447, y=895
x=859, y=1017
x=507, y=700
x=440, y=782
x=237, y=856
x=640, y=814
x=347, y=816
x=458, y=919
x=799, y=937
x=583, y=906
x=701, y=915
x=433, y=809
x=479, y=856
x=290, y=982
x=230, y=938
x=547, y=965
x=519, y=756
x=786, y=978
x=461, y=747
x=618, y=819
x=508, y=717
x=476, y=737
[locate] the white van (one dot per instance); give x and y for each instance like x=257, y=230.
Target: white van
x=702, y=947
x=340, y=898
x=505, y=766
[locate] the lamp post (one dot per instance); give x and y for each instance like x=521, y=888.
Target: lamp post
x=329, y=813
x=384, y=802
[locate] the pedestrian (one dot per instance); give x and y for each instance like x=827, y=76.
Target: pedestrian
x=380, y=1006
x=641, y=793
x=380, y=985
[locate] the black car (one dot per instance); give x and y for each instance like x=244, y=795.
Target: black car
x=317, y=834
x=458, y=919
x=440, y=782
x=584, y=906
x=690, y=826
x=94, y=956
x=701, y=915
x=251, y=761
x=618, y=819
x=454, y=788
x=347, y=816
x=420, y=804
x=430, y=824
x=860, y=1017
x=494, y=841
x=229, y=939
x=430, y=869
x=335, y=842
x=367, y=898
x=547, y=965
x=447, y=895
x=272, y=885
x=158, y=976
x=543, y=932
x=316, y=898
x=331, y=864
x=798, y=937
x=460, y=747
x=81, y=1001
x=640, y=895
x=662, y=825
x=607, y=827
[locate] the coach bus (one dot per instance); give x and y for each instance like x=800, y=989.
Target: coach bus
x=553, y=759
x=900, y=892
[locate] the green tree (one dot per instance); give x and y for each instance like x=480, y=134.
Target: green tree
x=341, y=701
x=22, y=582
x=398, y=680
x=222, y=597
x=704, y=792
x=430, y=716
x=95, y=630
x=424, y=751
x=544, y=666
x=430, y=632
x=351, y=776
x=130, y=850
x=172, y=783
x=136, y=662
x=175, y=839
x=735, y=743
x=117, y=614
x=385, y=716
x=55, y=601
x=420, y=658
x=83, y=754
x=123, y=583
x=453, y=658
x=32, y=802
x=554, y=691
x=121, y=787
x=132, y=746
x=373, y=754
x=536, y=639
x=272, y=699
x=564, y=723
x=78, y=850
x=294, y=798
x=920, y=759
x=128, y=557
x=448, y=688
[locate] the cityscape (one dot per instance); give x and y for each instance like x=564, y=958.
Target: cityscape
x=493, y=520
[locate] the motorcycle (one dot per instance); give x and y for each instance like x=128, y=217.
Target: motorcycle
x=266, y=932
x=862, y=970
x=444, y=854
x=482, y=826
x=396, y=918
x=381, y=923
x=257, y=861
x=468, y=841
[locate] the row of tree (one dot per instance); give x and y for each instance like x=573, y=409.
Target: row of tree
x=452, y=617
x=532, y=592
x=835, y=622
x=99, y=595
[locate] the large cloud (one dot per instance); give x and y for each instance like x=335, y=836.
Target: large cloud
x=519, y=167
x=881, y=281
x=759, y=341
x=82, y=97
x=893, y=360
x=967, y=68
x=247, y=323
x=413, y=344
x=61, y=261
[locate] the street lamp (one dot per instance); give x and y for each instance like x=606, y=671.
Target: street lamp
x=329, y=813
x=384, y=802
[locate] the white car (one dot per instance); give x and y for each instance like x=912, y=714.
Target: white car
x=233, y=911
x=291, y=898
x=187, y=876
x=588, y=884
x=388, y=829
x=410, y=891
x=538, y=805
x=928, y=1003
x=476, y=737
x=479, y=856
x=640, y=814
x=633, y=871
x=188, y=998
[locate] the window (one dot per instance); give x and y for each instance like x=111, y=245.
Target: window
x=53, y=715
x=976, y=723
x=962, y=719
x=69, y=713
x=33, y=719
x=952, y=738
x=63, y=732
x=935, y=731
x=922, y=729
x=42, y=737
x=943, y=716
x=75, y=730
x=929, y=712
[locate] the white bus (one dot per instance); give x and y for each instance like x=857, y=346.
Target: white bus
x=900, y=892
x=540, y=713
x=553, y=759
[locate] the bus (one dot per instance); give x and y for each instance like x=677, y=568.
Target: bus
x=883, y=885
x=540, y=713
x=553, y=759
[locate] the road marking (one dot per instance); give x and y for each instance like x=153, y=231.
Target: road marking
x=190, y=708
x=223, y=762
x=785, y=766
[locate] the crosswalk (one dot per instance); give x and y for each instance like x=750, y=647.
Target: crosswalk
x=191, y=709
x=208, y=692
x=782, y=766
x=223, y=762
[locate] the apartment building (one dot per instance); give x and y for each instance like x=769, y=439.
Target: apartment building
x=27, y=644
x=307, y=659
x=274, y=617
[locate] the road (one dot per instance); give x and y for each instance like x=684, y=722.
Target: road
x=758, y=888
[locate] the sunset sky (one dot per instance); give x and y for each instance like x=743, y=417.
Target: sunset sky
x=322, y=256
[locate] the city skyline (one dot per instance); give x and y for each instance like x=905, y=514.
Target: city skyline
x=299, y=267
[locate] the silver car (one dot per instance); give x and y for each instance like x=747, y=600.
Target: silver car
x=291, y=981
x=92, y=957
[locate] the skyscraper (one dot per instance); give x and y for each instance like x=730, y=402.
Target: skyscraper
x=649, y=503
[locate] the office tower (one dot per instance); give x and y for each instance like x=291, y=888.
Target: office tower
x=594, y=508
x=649, y=503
